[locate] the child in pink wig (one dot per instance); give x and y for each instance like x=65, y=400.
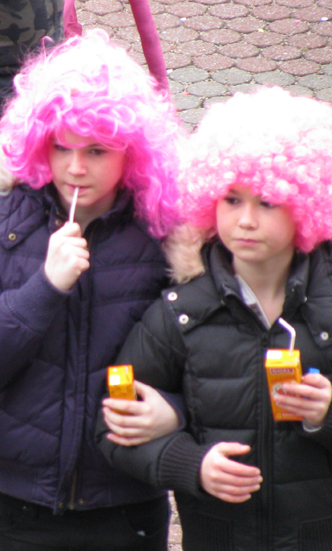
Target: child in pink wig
x=86, y=127
x=257, y=188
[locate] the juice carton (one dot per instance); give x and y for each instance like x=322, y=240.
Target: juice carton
x=283, y=366
x=120, y=382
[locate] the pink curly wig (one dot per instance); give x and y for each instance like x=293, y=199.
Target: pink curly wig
x=93, y=88
x=278, y=145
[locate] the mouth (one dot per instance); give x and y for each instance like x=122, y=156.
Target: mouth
x=246, y=242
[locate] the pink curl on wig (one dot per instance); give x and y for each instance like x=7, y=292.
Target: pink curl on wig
x=278, y=145
x=93, y=88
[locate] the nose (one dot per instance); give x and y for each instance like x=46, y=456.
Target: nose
x=76, y=166
x=248, y=217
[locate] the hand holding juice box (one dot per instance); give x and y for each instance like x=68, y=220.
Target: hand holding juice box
x=283, y=366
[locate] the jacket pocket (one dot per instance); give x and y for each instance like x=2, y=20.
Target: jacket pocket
x=316, y=535
x=203, y=532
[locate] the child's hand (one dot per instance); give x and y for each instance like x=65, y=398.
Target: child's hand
x=227, y=479
x=140, y=421
x=311, y=401
x=67, y=256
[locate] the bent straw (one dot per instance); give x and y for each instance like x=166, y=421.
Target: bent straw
x=73, y=205
x=292, y=333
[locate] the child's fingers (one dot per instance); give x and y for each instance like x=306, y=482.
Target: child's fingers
x=227, y=479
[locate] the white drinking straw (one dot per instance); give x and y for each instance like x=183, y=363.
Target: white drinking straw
x=73, y=205
x=292, y=333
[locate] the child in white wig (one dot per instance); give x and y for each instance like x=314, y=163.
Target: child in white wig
x=257, y=187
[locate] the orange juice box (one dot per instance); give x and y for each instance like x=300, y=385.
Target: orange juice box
x=282, y=366
x=120, y=382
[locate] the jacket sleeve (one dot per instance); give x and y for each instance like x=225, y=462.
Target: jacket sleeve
x=172, y=462
x=25, y=316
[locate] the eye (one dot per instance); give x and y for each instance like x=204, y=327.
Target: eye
x=59, y=147
x=97, y=151
x=231, y=200
x=268, y=205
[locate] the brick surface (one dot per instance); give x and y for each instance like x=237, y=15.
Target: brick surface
x=271, y=13
x=229, y=11
x=312, y=14
x=282, y=53
x=239, y=50
x=264, y=38
x=300, y=67
x=214, y=48
x=221, y=36
x=256, y=64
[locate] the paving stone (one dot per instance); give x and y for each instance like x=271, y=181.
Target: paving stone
x=245, y=24
x=129, y=33
x=158, y=8
x=203, y=22
x=299, y=67
x=296, y=3
x=312, y=14
x=121, y=19
x=192, y=116
x=214, y=62
x=88, y=18
x=264, y=38
x=229, y=11
x=239, y=50
x=256, y=64
x=320, y=55
x=244, y=88
x=174, y=60
x=252, y=3
x=186, y=101
x=307, y=41
x=324, y=95
x=102, y=7
x=289, y=26
x=299, y=91
x=187, y=9
x=196, y=47
x=221, y=36
x=232, y=76
x=324, y=3
x=168, y=1
x=281, y=53
x=178, y=35
x=190, y=74
x=216, y=99
x=207, y=89
x=317, y=82
x=271, y=13
x=328, y=69
x=274, y=78
x=175, y=87
x=324, y=29
x=166, y=21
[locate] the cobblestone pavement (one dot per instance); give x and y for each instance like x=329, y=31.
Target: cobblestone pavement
x=214, y=48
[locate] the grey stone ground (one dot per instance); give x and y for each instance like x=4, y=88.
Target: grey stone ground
x=214, y=48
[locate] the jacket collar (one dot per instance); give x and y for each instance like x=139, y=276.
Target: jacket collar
x=25, y=209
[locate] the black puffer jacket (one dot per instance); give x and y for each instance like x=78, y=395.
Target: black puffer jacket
x=55, y=347
x=202, y=339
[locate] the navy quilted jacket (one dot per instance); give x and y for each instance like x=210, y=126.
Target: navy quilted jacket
x=55, y=347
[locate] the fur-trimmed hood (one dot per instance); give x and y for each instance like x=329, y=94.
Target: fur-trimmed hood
x=183, y=252
x=7, y=180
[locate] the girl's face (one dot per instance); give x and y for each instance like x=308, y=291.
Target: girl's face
x=95, y=169
x=253, y=230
